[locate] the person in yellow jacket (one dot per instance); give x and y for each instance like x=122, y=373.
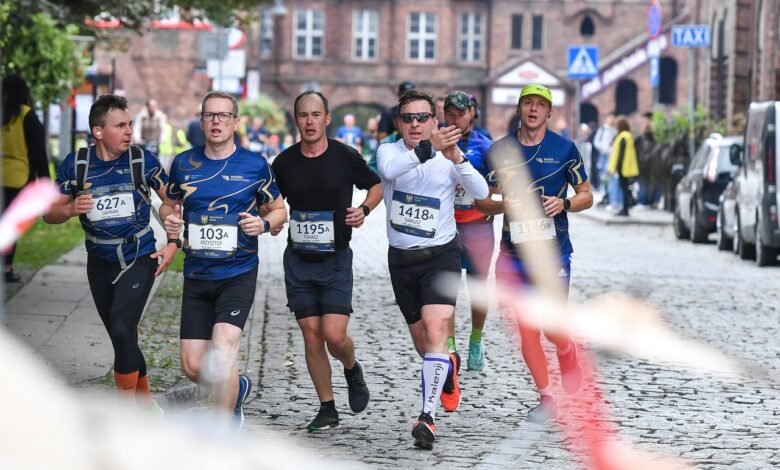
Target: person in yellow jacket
x=23, y=152
x=623, y=161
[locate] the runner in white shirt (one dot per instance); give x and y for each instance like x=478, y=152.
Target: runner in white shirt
x=418, y=180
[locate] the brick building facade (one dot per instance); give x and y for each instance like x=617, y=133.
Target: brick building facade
x=357, y=51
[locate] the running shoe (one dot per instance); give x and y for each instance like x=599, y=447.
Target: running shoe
x=244, y=387
x=450, y=393
x=571, y=374
x=356, y=385
x=327, y=418
x=544, y=411
x=424, y=432
x=476, y=359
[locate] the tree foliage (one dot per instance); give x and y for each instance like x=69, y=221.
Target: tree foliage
x=268, y=109
x=135, y=13
x=39, y=50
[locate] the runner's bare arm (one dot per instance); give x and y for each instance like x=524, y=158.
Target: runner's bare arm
x=65, y=208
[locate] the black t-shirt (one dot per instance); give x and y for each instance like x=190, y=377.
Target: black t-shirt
x=323, y=183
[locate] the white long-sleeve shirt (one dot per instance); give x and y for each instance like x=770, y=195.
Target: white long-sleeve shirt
x=420, y=197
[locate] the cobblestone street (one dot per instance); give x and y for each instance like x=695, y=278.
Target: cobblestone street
x=707, y=296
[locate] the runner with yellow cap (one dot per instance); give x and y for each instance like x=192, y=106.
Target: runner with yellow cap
x=553, y=164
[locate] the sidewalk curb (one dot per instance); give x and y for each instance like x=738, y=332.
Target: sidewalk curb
x=655, y=217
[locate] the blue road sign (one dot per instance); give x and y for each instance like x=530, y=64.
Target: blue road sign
x=691, y=35
x=654, y=19
x=583, y=61
x=655, y=73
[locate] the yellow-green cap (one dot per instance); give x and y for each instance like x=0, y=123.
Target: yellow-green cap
x=538, y=90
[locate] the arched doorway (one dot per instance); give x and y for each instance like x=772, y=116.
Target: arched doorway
x=625, y=97
x=667, y=93
x=588, y=113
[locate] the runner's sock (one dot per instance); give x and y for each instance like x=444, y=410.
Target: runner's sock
x=546, y=391
x=476, y=335
x=126, y=383
x=451, y=343
x=435, y=368
x=142, y=393
x=328, y=405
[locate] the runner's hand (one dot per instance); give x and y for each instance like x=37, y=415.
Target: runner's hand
x=442, y=139
x=355, y=217
x=167, y=253
x=552, y=205
x=174, y=222
x=83, y=204
x=251, y=225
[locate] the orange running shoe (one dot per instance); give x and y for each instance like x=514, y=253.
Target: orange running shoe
x=424, y=432
x=450, y=394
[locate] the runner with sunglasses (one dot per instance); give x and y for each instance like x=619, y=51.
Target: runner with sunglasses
x=419, y=174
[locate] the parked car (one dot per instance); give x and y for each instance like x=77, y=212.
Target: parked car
x=698, y=192
x=757, y=200
x=726, y=224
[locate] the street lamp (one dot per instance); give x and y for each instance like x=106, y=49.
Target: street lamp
x=278, y=9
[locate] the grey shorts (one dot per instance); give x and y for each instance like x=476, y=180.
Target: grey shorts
x=315, y=288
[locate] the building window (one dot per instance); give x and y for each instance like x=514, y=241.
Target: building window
x=308, y=33
x=266, y=33
x=471, y=37
x=667, y=92
x=421, y=37
x=517, y=31
x=625, y=97
x=365, y=26
x=537, y=31
x=587, y=28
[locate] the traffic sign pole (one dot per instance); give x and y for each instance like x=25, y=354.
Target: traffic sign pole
x=691, y=36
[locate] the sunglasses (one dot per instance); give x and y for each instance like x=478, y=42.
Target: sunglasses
x=421, y=117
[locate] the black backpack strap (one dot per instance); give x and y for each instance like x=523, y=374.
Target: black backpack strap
x=138, y=171
x=138, y=176
x=80, y=165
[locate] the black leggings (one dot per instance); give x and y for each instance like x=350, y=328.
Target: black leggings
x=9, y=194
x=121, y=305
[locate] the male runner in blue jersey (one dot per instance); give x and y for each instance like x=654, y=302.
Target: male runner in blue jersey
x=551, y=164
x=221, y=186
x=114, y=213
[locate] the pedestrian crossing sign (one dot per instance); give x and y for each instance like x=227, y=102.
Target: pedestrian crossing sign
x=583, y=61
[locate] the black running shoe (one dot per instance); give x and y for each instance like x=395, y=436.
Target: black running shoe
x=424, y=432
x=327, y=418
x=358, y=391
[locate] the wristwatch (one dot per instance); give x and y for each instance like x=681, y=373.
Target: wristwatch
x=175, y=241
x=366, y=210
x=266, y=225
x=566, y=204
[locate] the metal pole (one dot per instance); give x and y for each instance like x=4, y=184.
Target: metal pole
x=691, y=100
x=219, y=48
x=576, y=108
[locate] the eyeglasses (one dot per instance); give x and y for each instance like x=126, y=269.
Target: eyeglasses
x=224, y=117
x=421, y=117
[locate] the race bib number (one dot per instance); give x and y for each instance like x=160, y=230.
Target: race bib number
x=532, y=230
x=312, y=231
x=414, y=215
x=463, y=200
x=112, y=209
x=213, y=236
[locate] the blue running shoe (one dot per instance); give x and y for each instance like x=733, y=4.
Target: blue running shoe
x=476, y=359
x=244, y=387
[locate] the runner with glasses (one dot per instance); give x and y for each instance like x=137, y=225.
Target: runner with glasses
x=221, y=187
x=419, y=173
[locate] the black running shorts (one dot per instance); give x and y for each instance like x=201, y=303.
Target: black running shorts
x=205, y=303
x=416, y=275
x=316, y=288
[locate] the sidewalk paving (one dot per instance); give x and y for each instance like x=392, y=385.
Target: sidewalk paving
x=636, y=216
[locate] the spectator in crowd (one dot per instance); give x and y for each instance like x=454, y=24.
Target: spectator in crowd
x=149, y=127
x=23, y=151
x=349, y=133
